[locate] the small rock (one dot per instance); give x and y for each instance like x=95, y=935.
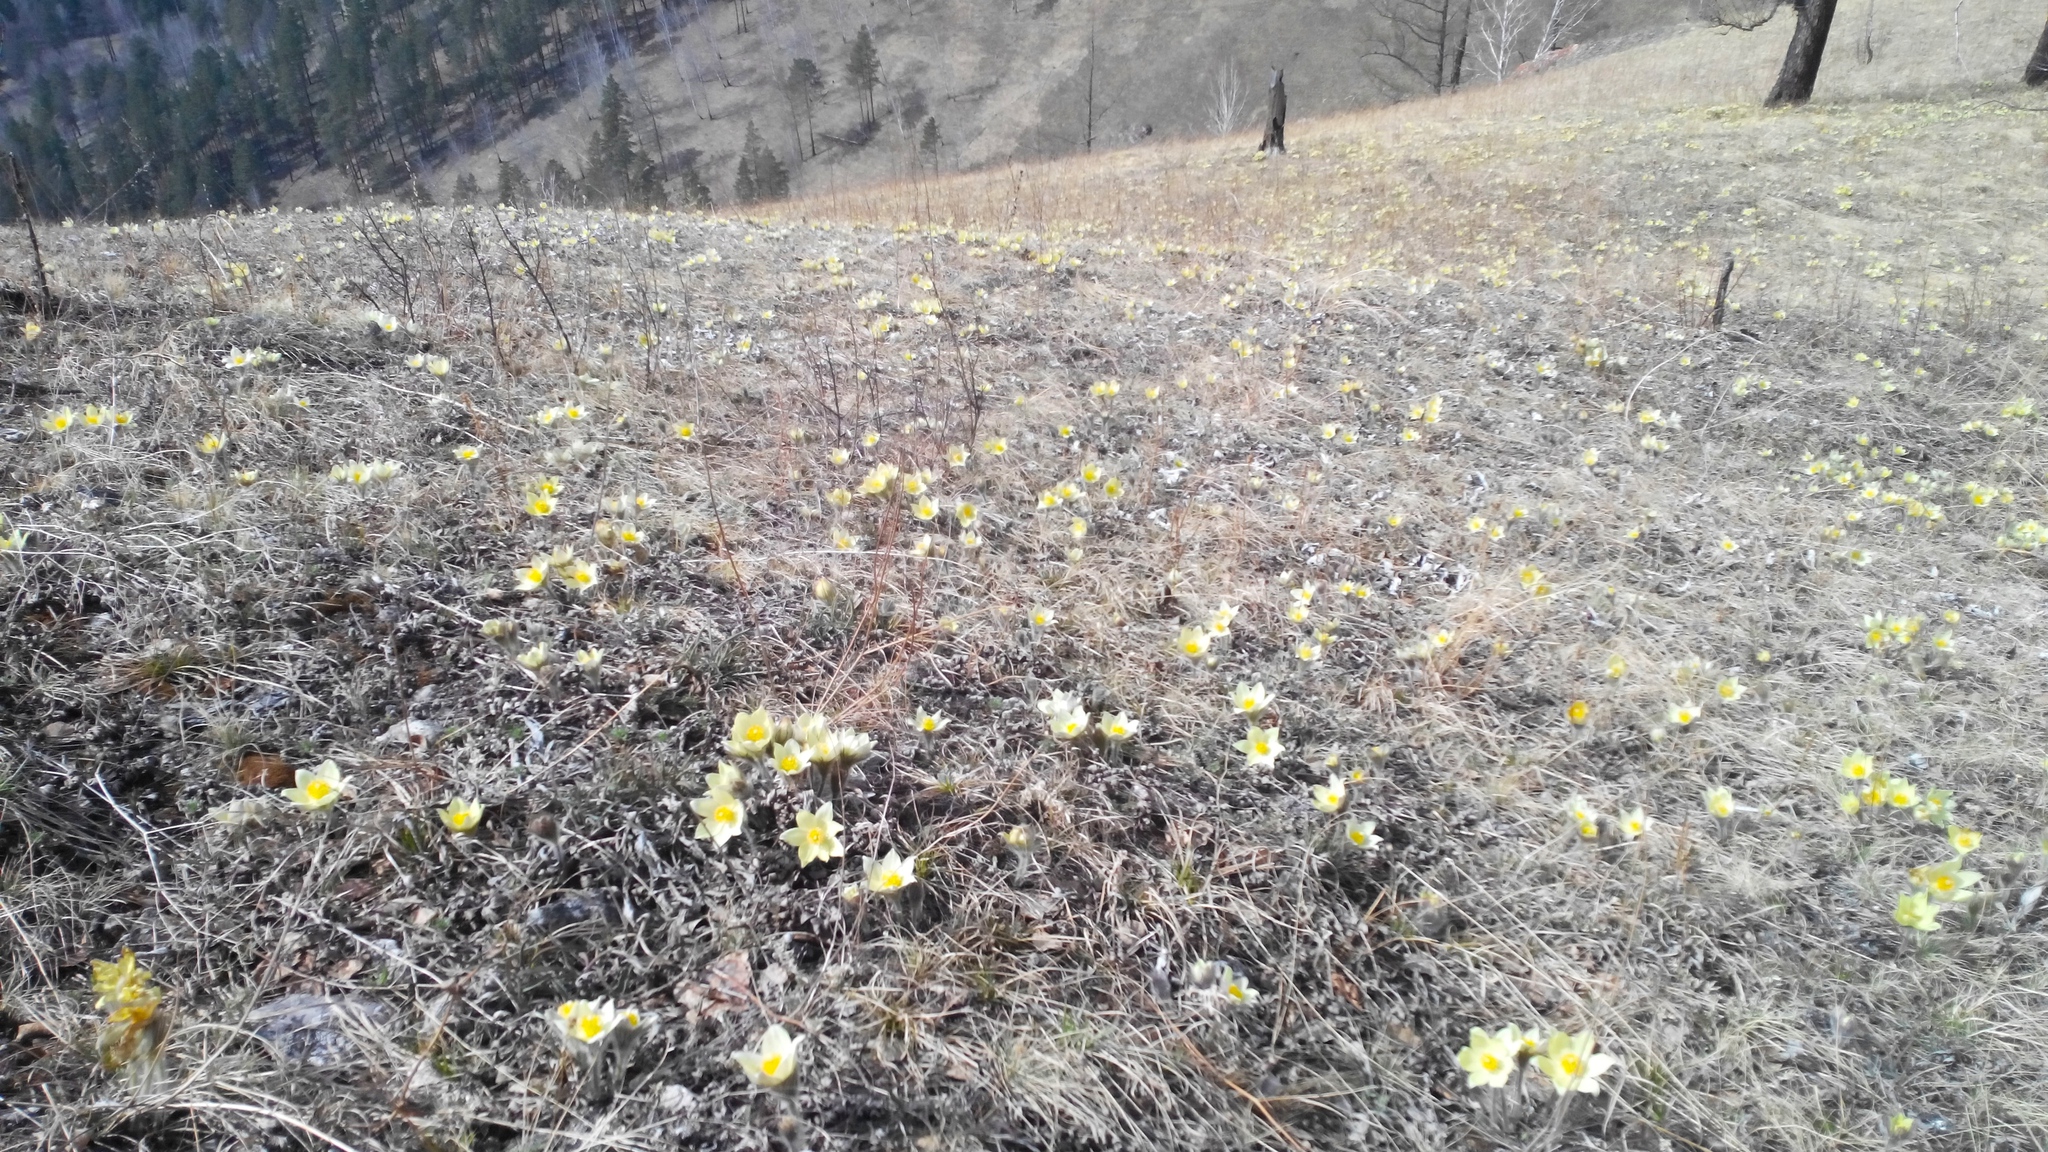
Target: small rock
x=319, y=1030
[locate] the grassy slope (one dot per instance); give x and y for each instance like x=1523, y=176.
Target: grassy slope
x=1004, y=81
x=1747, y=973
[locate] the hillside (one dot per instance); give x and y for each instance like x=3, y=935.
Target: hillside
x=1274, y=634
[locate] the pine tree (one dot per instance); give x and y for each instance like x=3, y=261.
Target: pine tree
x=928, y=143
x=802, y=87
x=744, y=190
x=864, y=70
x=610, y=161
x=466, y=189
x=695, y=193
x=514, y=189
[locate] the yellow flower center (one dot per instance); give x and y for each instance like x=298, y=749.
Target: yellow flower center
x=589, y=1025
x=756, y=732
x=815, y=835
x=1261, y=747
x=1569, y=1063
x=318, y=789
x=1490, y=1062
x=769, y=1064
x=725, y=814
x=1945, y=882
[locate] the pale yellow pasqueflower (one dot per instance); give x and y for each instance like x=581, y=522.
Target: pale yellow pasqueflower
x=1250, y=699
x=1489, y=1059
x=1858, y=765
x=1720, y=803
x=1683, y=714
x=815, y=837
x=1116, y=727
x=1261, y=746
x=461, y=816
x=1571, y=1064
x=887, y=875
x=317, y=789
x=1916, y=911
x=929, y=723
x=579, y=575
x=1328, y=797
x=1948, y=881
x=790, y=757
x=583, y=1025
x=1068, y=724
x=1234, y=986
x=1578, y=712
x=1633, y=823
x=772, y=1060
x=720, y=816
x=1192, y=643
x=1360, y=834
x=1964, y=840
x=752, y=732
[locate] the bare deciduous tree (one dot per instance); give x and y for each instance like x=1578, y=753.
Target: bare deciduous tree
x=1227, y=95
x=1564, y=19
x=1424, y=39
x=1802, y=56
x=1501, y=25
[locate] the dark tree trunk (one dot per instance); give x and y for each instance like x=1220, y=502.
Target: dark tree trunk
x=1276, y=116
x=1802, y=56
x=2037, y=68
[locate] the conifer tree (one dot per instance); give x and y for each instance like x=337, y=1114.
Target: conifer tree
x=514, y=189
x=864, y=70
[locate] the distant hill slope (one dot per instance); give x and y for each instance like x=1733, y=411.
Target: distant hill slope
x=1002, y=81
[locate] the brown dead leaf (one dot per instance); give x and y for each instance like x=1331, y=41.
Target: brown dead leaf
x=729, y=982
x=1343, y=986
x=263, y=770
x=345, y=969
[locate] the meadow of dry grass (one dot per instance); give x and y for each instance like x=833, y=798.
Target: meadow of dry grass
x=1592, y=610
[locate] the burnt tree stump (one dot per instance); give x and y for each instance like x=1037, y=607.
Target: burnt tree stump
x=1276, y=115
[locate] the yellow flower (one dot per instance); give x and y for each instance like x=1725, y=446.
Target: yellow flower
x=461, y=816
x=584, y=1024
x=995, y=445
x=1730, y=689
x=1042, y=617
x=532, y=574
x=790, y=757
x=1234, y=987
x=119, y=982
x=815, y=837
x=1068, y=723
x=466, y=453
x=1572, y=1065
x=437, y=366
x=1720, y=803
x=889, y=874
x=1308, y=650
x=535, y=658
x=1857, y=765
x=1116, y=727
x=1899, y=792
x=317, y=790
x=751, y=733
x=60, y=421
x=211, y=443
x=1261, y=746
x=1360, y=834
x=30, y=331
x=1616, y=667
x=1633, y=823
x=772, y=1060
x=1489, y=1060
x=929, y=723
x=1917, y=912
x=1249, y=699
x=540, y=505
x=1578, y=712
x=1947, y=881
x=686, y=431
x=1192, y=643
x=1683, y=714
x=588, y=660
x=1963, y=840
x=925, y=508
x=720, y=815
x=580, y=575
x=1328, y=797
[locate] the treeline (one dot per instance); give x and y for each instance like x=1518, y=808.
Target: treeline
x=118, y=124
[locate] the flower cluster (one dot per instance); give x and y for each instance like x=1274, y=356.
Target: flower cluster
x=1566, y=1060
